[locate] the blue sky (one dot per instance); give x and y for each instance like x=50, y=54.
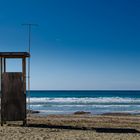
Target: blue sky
x=79, y=44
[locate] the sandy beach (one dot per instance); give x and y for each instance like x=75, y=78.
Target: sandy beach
x=74, y=127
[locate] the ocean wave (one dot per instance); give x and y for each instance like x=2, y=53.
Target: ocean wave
x=92, y=112
x=85, y=100
x=80, y=106
x=51, y=111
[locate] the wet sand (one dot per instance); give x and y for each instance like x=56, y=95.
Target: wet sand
x=74, y=127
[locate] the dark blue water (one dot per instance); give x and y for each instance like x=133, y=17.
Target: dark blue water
x=96, y=102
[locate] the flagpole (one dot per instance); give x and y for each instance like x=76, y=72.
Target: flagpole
x=29, y=50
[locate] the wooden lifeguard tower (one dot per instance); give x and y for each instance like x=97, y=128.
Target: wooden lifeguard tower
x=13, y=89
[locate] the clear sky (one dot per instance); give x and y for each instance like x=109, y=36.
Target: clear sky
x=79, y=44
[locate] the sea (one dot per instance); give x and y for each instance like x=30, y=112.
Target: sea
x=96, y=102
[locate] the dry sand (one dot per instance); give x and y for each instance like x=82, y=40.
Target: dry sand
x=74, y=127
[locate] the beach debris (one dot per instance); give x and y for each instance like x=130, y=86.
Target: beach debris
x=117, y=114
x=32, y=111
x=81, y=113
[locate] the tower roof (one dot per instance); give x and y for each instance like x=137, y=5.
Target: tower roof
x=14, y=54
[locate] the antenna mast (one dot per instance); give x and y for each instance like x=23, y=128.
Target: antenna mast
x=29, y=25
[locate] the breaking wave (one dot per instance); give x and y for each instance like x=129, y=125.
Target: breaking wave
x=85, y=100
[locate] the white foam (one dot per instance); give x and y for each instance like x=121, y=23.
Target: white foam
x=51, y=111
x=36, y=105
x=85, y=100
x=88, y=106
x=98, y=106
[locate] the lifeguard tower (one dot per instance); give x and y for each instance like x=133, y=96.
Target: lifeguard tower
x=13, y=89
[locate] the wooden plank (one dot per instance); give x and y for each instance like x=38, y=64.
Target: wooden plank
x=24, y=83
x=24, y=73
x=0, y=72
x=4, y=65
x=14, y=54
x=13, y=98
x=1, y=92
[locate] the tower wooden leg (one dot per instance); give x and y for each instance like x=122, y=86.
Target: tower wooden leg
x=1, y=122
x=25, y=123
x=4, y=122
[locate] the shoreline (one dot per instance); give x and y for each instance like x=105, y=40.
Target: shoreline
x=84, y=112
x=74, y=127
x=88, y=121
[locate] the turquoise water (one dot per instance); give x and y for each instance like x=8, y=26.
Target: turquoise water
x=96, y=102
